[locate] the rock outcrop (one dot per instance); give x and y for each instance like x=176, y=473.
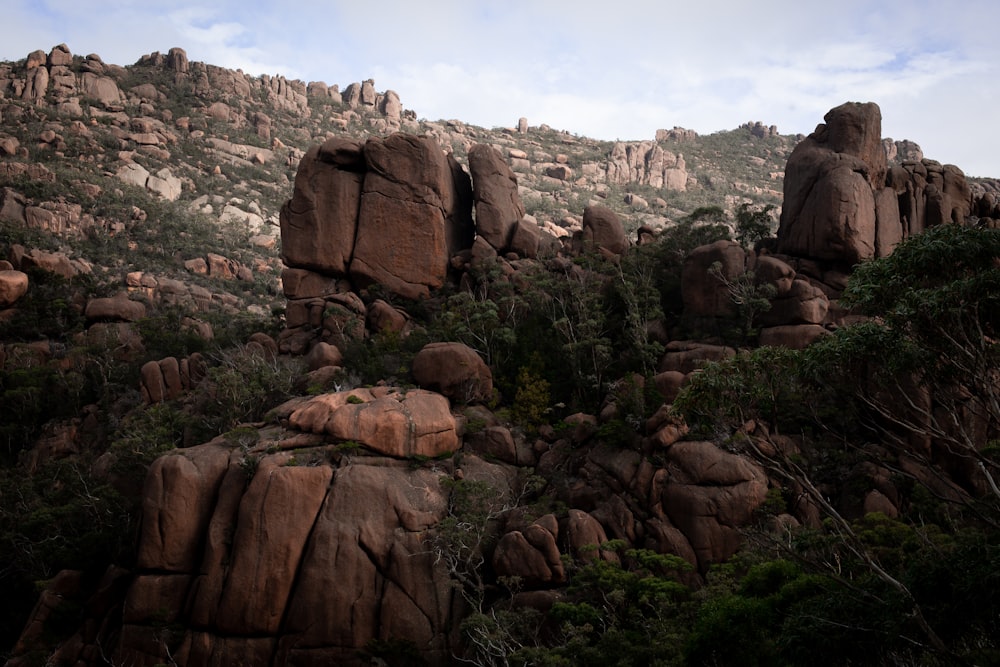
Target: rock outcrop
x=843, y=204
x=393, y=422
x=351, y=198
x=297, y=557
x=498, y=205
x=13, y=285
x=455, y=370
x=169, y=378
x=603, y=229
x=646, y=163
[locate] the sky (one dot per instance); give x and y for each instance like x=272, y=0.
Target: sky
x=617, y=69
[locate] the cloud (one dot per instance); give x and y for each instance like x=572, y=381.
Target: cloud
x=607, y=70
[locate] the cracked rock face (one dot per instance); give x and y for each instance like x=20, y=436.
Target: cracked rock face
x=304, y=562
x=843, y=204
x=390, y=211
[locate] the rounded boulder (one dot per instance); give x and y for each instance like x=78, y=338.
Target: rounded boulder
x=455, y=370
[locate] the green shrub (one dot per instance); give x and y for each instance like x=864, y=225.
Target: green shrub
x=242, y=386
x=532, y=400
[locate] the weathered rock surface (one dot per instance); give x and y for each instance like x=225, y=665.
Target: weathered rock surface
x=301, y=564
x=710, y=494
x=118, y=308
x=704, y=289
x=405, y=201
x=390, y=421
x=169, y=378
x=842, y=202
x=604, y=229
x=318, y=224
x=494, y=187
x=13, y=285
x=646, y=163
x=392, y=211
x=455, y=370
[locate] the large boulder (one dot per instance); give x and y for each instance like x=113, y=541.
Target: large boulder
x=103, y=89
x=803, y=303
x=119, y=308
x=455, y=370
x=830, y=182
x=177, y=504
x=405, y=236
x=319, y=222
x=704, y=289
x=929, y=193
x=709, y=495
x=390, y=421
x=532, y=554
x=271, y=561
x=368, y=572
x=498, y=205
x=13, y=285
x=604, y=229
x=843, y=204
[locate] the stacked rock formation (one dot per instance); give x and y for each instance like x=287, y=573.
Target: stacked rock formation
x=390, y=211
x=843, y=205
x=396, y=212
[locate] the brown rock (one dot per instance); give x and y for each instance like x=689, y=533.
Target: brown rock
x=876, y=501
x=197, y=265
x=603, y=228
x=171, y=370
x=793, y=336
x=323, y=355
x=498, y=205
x=9, y=146
x=831, y=182
x=705, y=294
x=526, y=238
x=585, y=536
x=156, y=598
x=669, y=384
x=154, y=389
x=687, y=356
x=103, y=89
x=455, y=370
x=514, y=556
x=60, y=56
x=304, y=284
x=495, y=443
x=52, y=262
x=415, y=423
x=265, y=346
x=177, y=60
x=319, y=222
x=803, y=303
x=710, y=494
x=178, y=500
x=368, y=572
x=281, y=503
x=118, y=308
x=407, y=192
x=12, y=206
x=773, y=271
x=531, y=554
x=36, y=84
x=384, y=318
x=13, y=285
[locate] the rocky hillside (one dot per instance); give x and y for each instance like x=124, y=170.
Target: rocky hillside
x=301, y=379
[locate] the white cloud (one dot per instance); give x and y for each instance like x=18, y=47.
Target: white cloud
x=609, y=70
